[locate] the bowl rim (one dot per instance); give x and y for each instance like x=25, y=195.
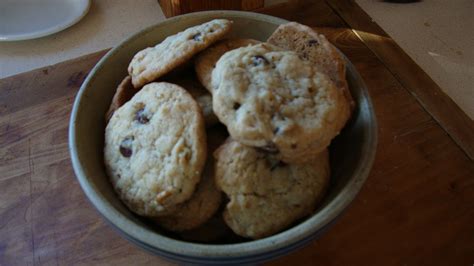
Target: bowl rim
x=149, y=239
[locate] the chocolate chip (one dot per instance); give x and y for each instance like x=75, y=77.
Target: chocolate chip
x=311, y=89
x=276, y=165
x=197, y=37
x=259, y=60
x=126, y=147
x=126, y=152
x=141, y=116
x=236, y=106
x=294, y=145
x=313, y=42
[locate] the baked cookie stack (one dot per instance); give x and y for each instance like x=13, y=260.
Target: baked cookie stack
x=281, y=101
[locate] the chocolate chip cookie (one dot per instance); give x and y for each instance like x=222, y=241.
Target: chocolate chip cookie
x=267, y=195
x=153, y=62
x=155, y=149
x=272, y=99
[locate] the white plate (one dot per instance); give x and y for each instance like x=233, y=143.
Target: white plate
x=29, y=19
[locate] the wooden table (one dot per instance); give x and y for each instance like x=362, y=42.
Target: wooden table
x=416, y=208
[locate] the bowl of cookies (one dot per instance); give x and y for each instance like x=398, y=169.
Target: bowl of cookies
x=222, y=137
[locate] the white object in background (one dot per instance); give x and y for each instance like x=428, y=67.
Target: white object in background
x=107, y=23
x=439, y=36
x=29, y=19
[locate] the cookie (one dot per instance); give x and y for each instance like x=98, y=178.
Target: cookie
x=155, y=149
x=315, y=48
x=273, y=100
x=206, y=61
x=198, y=209
x=187, y=79
x=206, y=199
x=153, y=62
x=266, y=195
x=125, y=92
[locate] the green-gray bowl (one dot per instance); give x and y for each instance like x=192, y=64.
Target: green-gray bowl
x=352, y=152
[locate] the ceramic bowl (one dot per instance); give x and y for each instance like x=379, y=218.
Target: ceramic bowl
x=352, y=152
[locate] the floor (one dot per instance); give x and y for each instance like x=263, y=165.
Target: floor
x=437, y=34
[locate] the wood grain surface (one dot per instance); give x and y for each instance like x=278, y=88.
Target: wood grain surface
x=416, y=207
x=446, y=112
